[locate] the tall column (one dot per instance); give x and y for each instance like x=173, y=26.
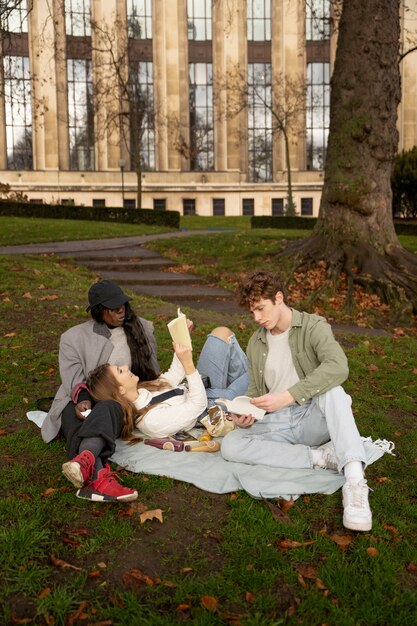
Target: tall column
x=109, y=40
x=43, y=86
x=170, y=53
x=229, y=53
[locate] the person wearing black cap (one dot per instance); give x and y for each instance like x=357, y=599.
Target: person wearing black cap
x=114, y=335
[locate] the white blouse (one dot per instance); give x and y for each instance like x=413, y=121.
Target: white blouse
x=176, y=413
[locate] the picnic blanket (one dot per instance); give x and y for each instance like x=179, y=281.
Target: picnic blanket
x=211, y=472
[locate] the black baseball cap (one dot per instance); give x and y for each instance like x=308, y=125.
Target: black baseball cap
x=107, y=293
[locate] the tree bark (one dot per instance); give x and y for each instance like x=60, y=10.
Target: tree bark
x=355, y=231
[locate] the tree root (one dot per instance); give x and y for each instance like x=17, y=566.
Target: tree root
x=392, y=276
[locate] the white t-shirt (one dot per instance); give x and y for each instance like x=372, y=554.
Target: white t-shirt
x=280, y=373
x=121, y=352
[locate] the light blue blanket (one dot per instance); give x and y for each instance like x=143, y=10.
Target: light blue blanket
x=209, y=471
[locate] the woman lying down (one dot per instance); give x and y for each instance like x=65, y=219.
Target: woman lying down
x=158, y=408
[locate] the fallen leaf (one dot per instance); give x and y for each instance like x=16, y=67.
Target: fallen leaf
x=391, y=528
x=52, y=490
x=37, y=272
x=209, y=603
x=76, y=531
x=27, y=295
x=95, y=573
x=383, y=479
x=45, y=592
x=42, y=287
x=249, y=597
x=3, y=432
x=185, y=570
x=372, y=551
x=134, y=577
x=343, y=541
x=373, y=368
x=149, y=515
x=183, y=607
x=102, y=565
x=285, y=505
x=307, y=571
x=277, y=512
x=412, y=568
x=286, y=544
x=79, y=614
x=52, y=297
x=10, y=335
x=63, y=564
x=6, y=300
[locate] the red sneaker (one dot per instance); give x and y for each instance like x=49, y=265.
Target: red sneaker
x=80, y=469
x=106, y=489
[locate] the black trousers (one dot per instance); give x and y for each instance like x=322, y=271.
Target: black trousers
x=105, y=421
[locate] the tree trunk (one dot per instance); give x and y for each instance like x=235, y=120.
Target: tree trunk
x=355, y=231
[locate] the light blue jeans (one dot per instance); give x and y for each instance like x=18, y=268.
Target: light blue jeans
x=284, y=438
x=226, y=365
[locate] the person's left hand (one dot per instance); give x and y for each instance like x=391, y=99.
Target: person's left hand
x=243, y=421
x=190, y=325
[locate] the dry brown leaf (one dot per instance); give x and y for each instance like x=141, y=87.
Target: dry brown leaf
x=149, y=515
x=343, y=541
x=63, y=564
x=250, y=597
x=42, y=286
x=391, y=528
x=372, y=551
x=27, y=295
x=45, y=592
x=286, y=544
x=186, y=570
x=95, y=573
x=79, y=614
x=102, y=565
x=373, y=368
x=134, y=577
x=21, y=620
x=51, y=490
x=285, y=505
x=209, y=603
x=412, y=568
x=277, y=512
x=183, y=607
x=52, y=297
x=6, y=300
x=10, y=335
x=383, y=479
x=301, y=580
x=307, y=571
x=3, y=432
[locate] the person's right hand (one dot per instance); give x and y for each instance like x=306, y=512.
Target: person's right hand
x=84, y=405
x=243, y=421
x=185, y=355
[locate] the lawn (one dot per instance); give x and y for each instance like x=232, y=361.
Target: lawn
x=213, y=559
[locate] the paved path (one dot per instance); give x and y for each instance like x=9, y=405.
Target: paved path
x=124, y=260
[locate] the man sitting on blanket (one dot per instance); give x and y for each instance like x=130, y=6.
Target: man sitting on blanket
x=296, y=370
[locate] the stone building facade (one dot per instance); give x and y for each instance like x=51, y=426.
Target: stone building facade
x=220, y=99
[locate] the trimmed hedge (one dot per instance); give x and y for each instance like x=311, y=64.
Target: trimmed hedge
x=402, y=227
x=104, y=214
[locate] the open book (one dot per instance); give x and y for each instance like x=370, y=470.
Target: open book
x=178, y=330
x=241, y=405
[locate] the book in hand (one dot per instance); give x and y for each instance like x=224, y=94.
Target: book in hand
x=241, y=405
x=178, y=330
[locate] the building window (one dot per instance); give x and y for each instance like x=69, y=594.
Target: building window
x=317, y=113
x=78, y=18
x=18, y=111
x=248, y=206
x=306, y=206
x=129, y=203
x=141, y=102
x=199, y=20
x=188, y=206
x=317, y=20
x=259, y=122
x=14, y=19
x=201, y=116
x=219, y=206
x=159, y=204
x=99, y=202
x=277, y=206
x=259, y=20
x=80, y=114
x=139, y=19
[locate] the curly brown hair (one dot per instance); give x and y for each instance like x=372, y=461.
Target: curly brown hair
x=257, y=285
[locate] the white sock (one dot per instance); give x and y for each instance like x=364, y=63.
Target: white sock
x=353, y=471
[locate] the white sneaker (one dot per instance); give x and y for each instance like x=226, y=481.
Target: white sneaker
x=328, y=457
x=356, y=515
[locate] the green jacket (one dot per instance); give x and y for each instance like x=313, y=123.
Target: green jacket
x=318, y=358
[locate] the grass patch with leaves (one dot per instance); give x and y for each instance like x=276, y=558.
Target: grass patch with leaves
x=213, y=559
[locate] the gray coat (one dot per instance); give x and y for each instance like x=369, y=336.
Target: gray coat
x=82, y=348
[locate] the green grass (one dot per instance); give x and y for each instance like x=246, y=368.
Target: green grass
x=23, y=230
x=223, y=546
